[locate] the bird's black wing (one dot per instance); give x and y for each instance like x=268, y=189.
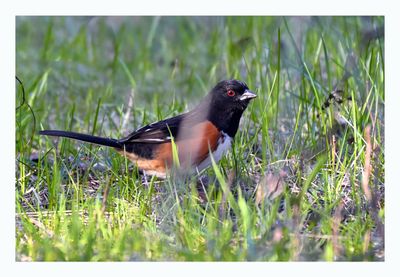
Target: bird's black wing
x=157, y=132
x=161, y=131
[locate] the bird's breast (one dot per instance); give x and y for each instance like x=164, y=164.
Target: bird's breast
x=223, y=145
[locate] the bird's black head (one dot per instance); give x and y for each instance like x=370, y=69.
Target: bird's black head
x=231, y=94
x=227, y=101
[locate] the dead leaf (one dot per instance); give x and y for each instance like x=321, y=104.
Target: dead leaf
x=271, y=186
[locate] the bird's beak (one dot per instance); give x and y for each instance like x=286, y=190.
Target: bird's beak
x=247, y=95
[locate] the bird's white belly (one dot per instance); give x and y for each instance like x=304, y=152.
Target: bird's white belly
x=224, y=144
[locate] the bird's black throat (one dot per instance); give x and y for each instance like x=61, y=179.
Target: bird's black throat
x=226, y=120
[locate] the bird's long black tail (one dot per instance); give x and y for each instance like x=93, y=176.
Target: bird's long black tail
x=83, y=137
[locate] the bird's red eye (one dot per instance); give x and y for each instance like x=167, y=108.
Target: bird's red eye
x=230, y=93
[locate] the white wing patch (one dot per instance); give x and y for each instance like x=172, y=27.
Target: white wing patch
x=156, y=139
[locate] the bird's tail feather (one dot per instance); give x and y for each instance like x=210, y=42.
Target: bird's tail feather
x=83, y=137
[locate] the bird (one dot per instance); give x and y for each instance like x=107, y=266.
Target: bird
x=192, y=137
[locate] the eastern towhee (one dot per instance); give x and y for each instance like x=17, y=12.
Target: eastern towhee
x=209, y=128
